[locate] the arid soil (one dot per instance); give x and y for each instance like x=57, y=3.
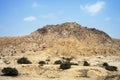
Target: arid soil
x=53, y=42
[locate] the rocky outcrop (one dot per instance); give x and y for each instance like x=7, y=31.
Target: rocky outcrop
x=62, y=39
x=73, y=29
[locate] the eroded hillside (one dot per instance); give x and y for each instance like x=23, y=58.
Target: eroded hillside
x=62, y=39
x=59, y=42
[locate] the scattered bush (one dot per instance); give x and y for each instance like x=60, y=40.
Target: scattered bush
x=10, y=71
x=109, y=68
x=23, y=60
x=58, y=62
x=86, y=63
x=42, y=63
x=105, y=64
x=65, y=65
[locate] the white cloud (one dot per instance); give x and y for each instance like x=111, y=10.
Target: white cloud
x=107, y=19
x=35, y=4
x=93, y=9
x=30, y=18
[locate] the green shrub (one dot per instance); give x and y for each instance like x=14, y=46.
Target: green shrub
x=23, y=60
x=65, y=65
x=42, y=63
x=86, y=63
x=58, y=62
x=8, y=71
x=111, y=68
x=105, y=64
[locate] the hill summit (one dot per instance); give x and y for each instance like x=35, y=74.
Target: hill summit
x=47, y=52
x=72, y=29
x=68, y=38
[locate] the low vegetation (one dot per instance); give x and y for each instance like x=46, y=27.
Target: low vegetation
x=58, y=62
x=23, y=60
x=65, y=65
x=105, y=64
x=42, y=63
x=109, y=68
x=8, y=71
x=86, y=63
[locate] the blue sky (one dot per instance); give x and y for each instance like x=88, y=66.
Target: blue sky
x=21, y=17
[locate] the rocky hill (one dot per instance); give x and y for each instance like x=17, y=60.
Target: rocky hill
x=68, y=38
x=58, y=42
x=70, y=30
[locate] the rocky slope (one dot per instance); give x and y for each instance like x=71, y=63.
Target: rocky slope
x=53, y=42
x=68, y=38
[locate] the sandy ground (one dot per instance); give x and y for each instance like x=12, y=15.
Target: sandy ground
x=52, y=72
